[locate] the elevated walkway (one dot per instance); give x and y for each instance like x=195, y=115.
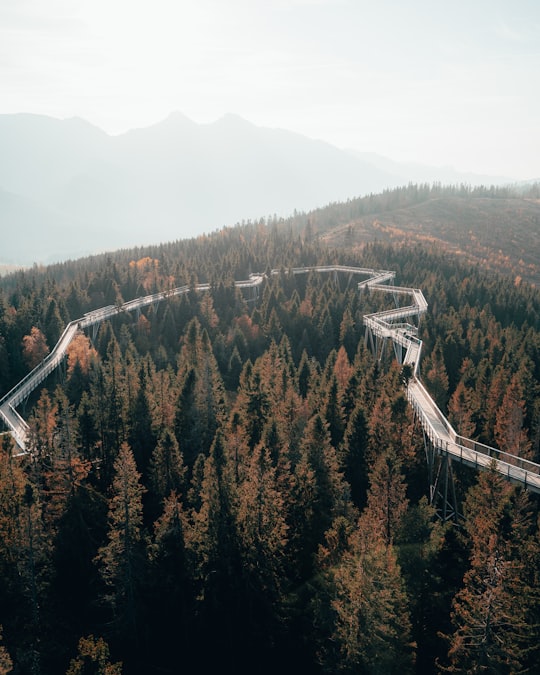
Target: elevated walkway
x=437, y=429
x=389, y=324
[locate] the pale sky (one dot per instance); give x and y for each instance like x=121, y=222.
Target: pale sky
x=444, y=83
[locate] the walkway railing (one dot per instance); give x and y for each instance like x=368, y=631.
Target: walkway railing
x=384, y=325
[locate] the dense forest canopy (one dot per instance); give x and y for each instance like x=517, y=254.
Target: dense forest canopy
x=224, y=481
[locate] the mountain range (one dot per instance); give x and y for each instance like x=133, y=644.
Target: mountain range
x=68, y=189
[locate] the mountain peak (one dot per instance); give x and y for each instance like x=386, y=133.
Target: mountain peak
x=231, y=119
x=176, y=117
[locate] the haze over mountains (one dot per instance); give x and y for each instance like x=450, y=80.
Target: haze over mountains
x=68, y=189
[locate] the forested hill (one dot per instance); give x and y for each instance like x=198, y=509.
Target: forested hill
x=230, y=483
x=497, y=228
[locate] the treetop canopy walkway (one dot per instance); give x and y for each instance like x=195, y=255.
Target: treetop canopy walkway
x=394, y=324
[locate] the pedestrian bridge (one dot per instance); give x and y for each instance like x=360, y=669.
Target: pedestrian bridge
x=396, y=324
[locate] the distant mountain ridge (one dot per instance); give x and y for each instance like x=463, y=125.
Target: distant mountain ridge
x=68, y=189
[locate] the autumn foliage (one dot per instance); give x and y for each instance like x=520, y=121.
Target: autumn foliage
x=230, y=482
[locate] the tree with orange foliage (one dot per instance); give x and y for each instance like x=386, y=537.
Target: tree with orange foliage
x=80, y=351
x=6, y=664
x=493, y=613
x=510, y=434
x=93, y=659
x=35, y=347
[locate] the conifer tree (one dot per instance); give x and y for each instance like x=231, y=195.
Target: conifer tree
x=43, y=426
x=170, y=590
x=121, y=559
x=493, y=631
x=141, y=435
x=167, y=468
x=461, y=410
x=368, y=617
x=510, y=434
x=253, y=403
x=262, y=527
x=353, y=455
x=387, y=502
x=201, y=403
x=6, y=664
x=347, y=334
x=93, y=658
x=54, y=325
x=214, y=522
x=437, y=376
x=34, y=570
x=215, y=549
x=333, y=414
x=369, y=621
x=319, y=491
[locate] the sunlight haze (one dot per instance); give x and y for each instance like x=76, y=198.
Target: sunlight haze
x=438, y=83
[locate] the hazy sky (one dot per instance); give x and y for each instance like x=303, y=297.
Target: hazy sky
x=446, y=83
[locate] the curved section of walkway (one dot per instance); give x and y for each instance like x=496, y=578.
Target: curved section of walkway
x=389, y=324
x=394, y=324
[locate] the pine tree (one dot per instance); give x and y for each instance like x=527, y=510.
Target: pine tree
x=201, y=403
x=368, y=617
x=493, y=632
x=171, y=593
x=43, y=426
x=121, y=559
x=333, y=414
x=262, y=528
x=214, y=544
x=510, y=434
x=353, y=455
x=141, y=435
x=167, y=468
x=54, y=325
x=93, y=659
x=461, y=410
x=437, y=376
x=387, y=502
x=319, y=492
x=6, y=664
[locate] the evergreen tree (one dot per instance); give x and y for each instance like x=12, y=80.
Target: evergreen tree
x=141, y=434
x=6, y=664
x=461, y=410
x=93, y=659
x=493, y=632
x=319, y=492
x=216, y=554
x=121, y=559
x=262, y=530
x=436, y=375
x=387, y=502
x=333, y=414
x=353, y=455
x=367, y=618
x=171, y=593
x=167, y=468
x=510, y=434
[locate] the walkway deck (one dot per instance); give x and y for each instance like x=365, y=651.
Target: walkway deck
x=388, y=324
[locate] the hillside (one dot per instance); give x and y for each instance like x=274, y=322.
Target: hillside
x=500, y=233
x=68, y=189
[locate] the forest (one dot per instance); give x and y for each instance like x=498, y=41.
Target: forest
x=231, y=483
